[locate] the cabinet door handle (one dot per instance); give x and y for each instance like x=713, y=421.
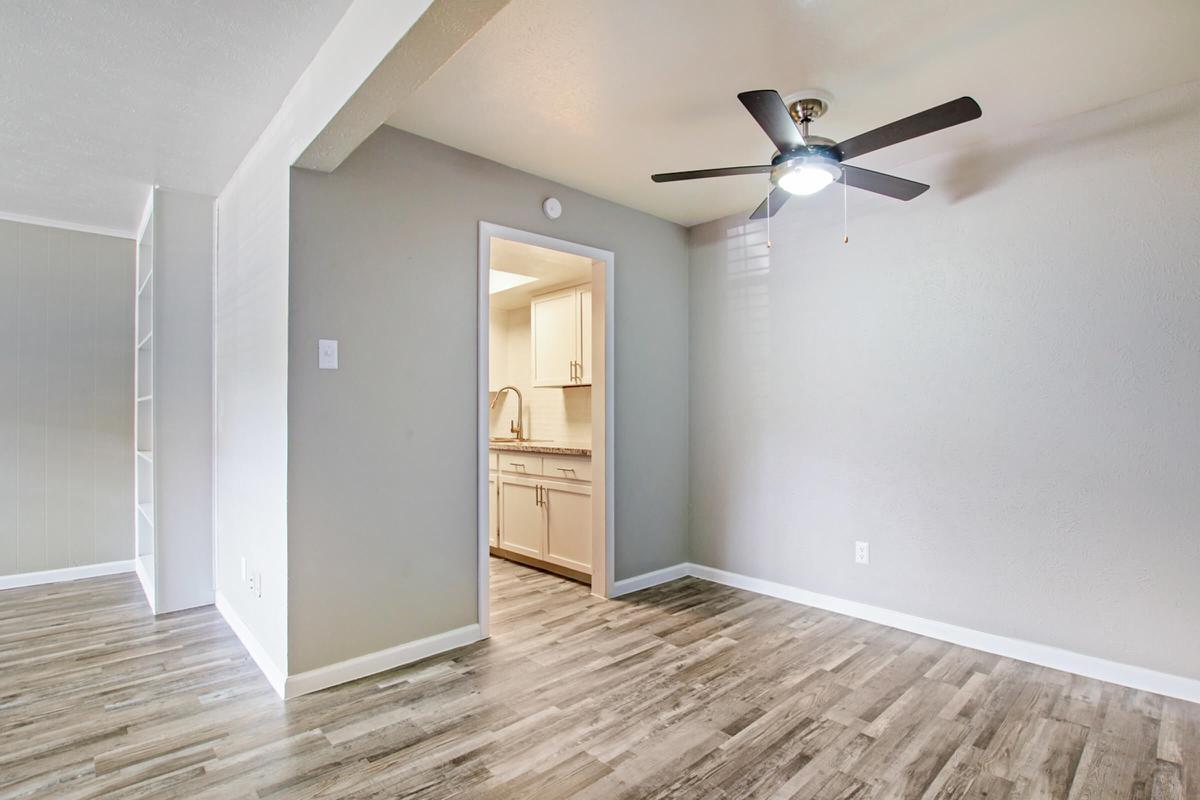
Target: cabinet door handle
x=565, y=470
x=517, y=465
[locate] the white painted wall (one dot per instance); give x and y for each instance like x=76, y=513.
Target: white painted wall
x=382, y=537
x=250, y=339
x=66, y=389
x=183, y=399
x=996, y=385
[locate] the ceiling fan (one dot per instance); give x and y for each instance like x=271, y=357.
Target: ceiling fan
x=806, y=164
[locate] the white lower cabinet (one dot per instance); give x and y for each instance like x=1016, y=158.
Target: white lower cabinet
x=541, y=517
x=567, y=508
x=521, y=520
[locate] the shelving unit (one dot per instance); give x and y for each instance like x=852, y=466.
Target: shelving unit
x=144, y=521
x=172, y=348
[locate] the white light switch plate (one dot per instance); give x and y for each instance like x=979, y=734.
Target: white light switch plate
x=327, y=354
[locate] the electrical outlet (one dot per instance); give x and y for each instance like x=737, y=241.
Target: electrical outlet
x=253, y=584
x=862, y=553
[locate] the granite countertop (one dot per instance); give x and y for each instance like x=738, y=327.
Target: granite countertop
x=549, y=448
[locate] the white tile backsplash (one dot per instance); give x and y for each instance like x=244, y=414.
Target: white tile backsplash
x=560, y=415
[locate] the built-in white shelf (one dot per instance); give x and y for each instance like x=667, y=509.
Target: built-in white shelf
x=144, y=484
x=172, y=422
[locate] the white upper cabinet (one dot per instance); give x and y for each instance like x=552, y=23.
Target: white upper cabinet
x=561, y=337
x=584, y=371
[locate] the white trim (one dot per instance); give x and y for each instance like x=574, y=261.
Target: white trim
x=147, y=212
x=146, y=581
x=1041, y=654
x=275, y=676
x=64, y=574
x=648, y=579
x=67, y=226
x=482, y=381
x=361, y=666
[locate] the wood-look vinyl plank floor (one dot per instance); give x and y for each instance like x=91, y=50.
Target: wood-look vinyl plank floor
x=687, y=690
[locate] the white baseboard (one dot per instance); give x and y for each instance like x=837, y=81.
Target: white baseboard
x=275, y=676
x=64, y=574
x=361, y=666
x=1041, y=654
x=146, y=581
x=648, y=579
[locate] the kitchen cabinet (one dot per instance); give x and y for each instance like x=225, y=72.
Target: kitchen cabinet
x=584, y=370
x=567, y=508
x=522, y=524
x=544, y=506
x=560, y=328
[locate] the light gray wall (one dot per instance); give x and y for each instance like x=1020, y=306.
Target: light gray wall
x=996, y=385
x=66, y=398
x=382, y=544
x=183, y=398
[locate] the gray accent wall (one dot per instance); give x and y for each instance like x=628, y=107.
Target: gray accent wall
x=66, y=398
x=996, y=385
x=382, y=541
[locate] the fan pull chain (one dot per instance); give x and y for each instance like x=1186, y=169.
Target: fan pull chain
x=768, y=220
x=845, y=216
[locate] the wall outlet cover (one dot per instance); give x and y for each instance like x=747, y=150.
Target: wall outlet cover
x=862, y=553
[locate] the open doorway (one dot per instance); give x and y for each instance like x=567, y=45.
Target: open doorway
x=545, y=408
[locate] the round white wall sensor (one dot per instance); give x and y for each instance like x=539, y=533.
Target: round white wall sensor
x=552, y=208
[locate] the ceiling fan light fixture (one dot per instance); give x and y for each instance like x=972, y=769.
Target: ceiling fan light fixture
x=805, y=176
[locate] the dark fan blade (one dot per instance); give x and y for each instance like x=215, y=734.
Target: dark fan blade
x=880, y=183
x=777, y=198
x=664, y=177
x=768, y=110
x=964, y=109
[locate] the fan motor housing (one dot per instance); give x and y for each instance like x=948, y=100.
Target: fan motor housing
x=817, y=146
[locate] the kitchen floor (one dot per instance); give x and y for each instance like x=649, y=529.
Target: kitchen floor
x=687, y=690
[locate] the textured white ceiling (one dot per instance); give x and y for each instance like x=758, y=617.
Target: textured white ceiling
x=103, y=98
x=599, y=94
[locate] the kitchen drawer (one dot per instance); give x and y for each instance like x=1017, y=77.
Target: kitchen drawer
x=520, y=463
x=577, y=469
x=493, y=460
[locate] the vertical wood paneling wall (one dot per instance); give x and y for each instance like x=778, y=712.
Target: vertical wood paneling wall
x=66, y=379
